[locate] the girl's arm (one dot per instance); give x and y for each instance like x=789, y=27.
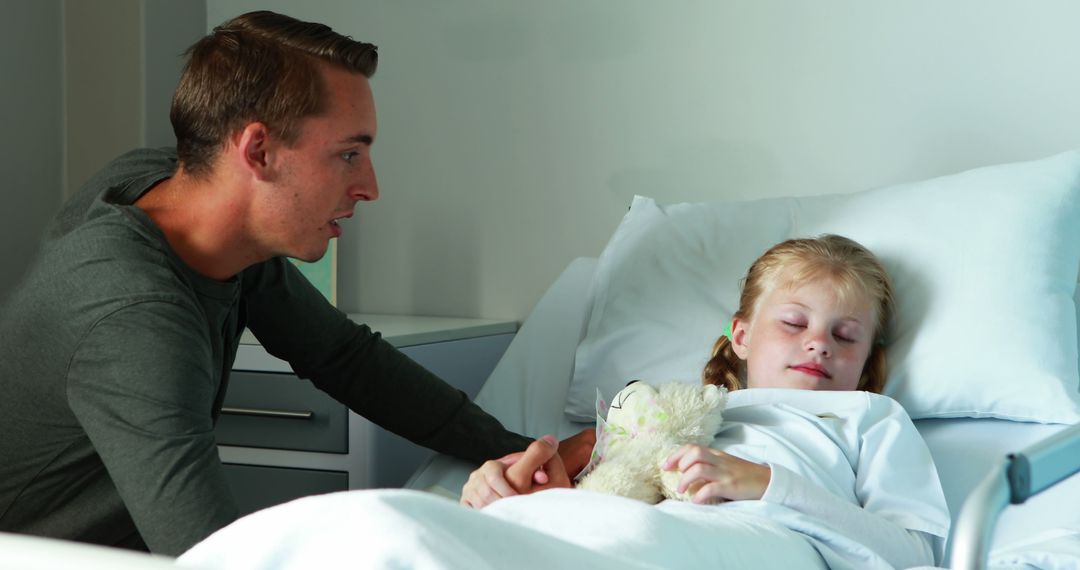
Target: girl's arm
x=901, y=547
x=714, y=476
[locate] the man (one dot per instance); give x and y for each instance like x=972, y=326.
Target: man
x=115, y=352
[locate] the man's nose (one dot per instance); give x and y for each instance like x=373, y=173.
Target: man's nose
x=366, y=187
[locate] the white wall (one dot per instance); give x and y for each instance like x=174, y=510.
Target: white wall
x=31, y=149
x=514, y=133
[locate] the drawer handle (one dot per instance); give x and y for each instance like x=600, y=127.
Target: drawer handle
x=260, y=413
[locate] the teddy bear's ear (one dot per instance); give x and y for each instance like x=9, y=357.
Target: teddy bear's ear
x=633, y=397
x=712, y=394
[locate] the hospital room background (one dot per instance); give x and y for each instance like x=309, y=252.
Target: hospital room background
x=513, y=134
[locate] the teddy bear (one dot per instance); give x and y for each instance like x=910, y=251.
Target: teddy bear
x=644, y=425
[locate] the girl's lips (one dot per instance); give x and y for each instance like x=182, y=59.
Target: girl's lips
x=812, y=369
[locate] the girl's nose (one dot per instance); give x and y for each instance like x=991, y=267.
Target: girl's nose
x=818, y=343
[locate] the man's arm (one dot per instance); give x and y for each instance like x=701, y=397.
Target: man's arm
x=356, y=366
x=140, y=387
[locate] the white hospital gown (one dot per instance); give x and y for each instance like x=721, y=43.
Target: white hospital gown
x=832, y=453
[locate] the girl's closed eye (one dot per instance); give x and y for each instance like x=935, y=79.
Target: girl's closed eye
x=793, y=321
x=847, y=334
x=840, y=337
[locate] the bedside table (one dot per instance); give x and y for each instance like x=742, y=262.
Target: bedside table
x=281, y=438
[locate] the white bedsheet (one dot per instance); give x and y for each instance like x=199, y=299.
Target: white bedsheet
x=1053, y=549
x=1057, y=549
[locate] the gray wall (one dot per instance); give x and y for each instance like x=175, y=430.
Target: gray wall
x=31, y=148
x=169, y=28
x=512, y=134
x=124, y=58
x=103, y=45
x=83, y=82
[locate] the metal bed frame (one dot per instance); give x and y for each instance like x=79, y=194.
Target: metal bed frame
x=1018, y=477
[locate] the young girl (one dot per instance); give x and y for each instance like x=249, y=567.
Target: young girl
x=811, y=437
x=817, y=309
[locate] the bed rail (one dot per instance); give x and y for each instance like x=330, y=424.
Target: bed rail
x=1018, y=477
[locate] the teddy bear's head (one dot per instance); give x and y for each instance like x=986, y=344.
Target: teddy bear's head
x=677, y=411
x=644, y=425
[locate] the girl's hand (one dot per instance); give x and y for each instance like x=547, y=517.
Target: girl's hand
x=713, y=476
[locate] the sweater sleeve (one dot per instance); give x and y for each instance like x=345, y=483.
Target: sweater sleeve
x=356, y=366
x=901, y=547
x=139, y=386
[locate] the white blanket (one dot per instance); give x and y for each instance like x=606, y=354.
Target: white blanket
x=552, y=529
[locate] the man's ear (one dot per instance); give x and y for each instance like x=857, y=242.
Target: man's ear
x=254, y=147
x=740, y=337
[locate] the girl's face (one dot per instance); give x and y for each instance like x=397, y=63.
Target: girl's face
x=803, y=337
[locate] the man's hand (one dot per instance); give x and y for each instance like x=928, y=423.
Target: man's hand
x=576, y=450
x=538, y=467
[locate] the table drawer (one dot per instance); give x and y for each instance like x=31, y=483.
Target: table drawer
x=256, y=487
x=280, y=411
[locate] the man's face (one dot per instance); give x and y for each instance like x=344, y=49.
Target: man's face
x=322, y=175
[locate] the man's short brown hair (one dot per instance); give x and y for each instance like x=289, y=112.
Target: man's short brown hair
x=260, y=66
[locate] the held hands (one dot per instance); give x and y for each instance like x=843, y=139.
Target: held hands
x=576, y=450
x=713, y=476
x=545, y=464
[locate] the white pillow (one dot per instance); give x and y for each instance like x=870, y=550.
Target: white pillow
x=984, y=265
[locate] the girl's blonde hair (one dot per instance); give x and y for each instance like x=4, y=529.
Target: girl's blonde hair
x=853, y=270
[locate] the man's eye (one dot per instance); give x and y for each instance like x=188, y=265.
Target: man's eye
x=348, y=156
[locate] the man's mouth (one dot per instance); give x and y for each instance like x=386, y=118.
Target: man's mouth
x=335, y=226
x=336, y=221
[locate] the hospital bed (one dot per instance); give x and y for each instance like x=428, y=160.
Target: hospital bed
x=528, y=390
x=982, y=350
